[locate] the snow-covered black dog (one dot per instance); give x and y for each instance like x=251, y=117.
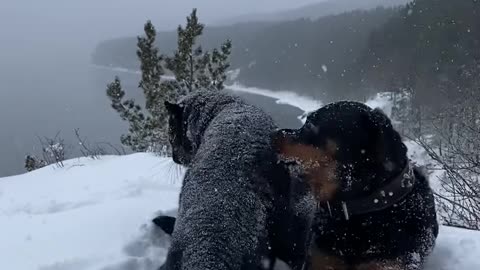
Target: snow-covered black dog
x=234, y=192
x=376, y=211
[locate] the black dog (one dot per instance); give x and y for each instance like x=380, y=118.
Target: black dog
x=234, y=193
x=290, y=223
x=376, y=211
x=290, y=234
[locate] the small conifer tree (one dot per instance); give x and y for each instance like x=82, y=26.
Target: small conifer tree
x=146, y=130
x=193, y=69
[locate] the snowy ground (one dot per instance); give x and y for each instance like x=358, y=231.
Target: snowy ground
x=88, y=215
x=95, y=214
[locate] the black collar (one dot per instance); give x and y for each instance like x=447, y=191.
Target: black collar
x=387, y=196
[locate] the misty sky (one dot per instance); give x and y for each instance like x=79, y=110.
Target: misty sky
x=100, y=19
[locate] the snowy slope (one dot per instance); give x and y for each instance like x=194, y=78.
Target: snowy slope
x=95, y=214
x=85, y=215
x=304, y=103
x=456, y=249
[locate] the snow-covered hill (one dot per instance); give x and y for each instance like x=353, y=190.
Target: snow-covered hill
x=88, y=215
x=95, y=214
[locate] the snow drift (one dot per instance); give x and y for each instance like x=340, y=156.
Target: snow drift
x=89, y=214
x=95, y=214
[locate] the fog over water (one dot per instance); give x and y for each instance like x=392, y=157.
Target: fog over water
x=47, y=84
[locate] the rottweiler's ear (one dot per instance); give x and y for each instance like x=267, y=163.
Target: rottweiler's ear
x=173, y=108
x=377, y=123
x=381, y=118
x=165, y=223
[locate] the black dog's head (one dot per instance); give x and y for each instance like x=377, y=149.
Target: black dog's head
x=182, y=151
x=347, y=148
x=189, y=118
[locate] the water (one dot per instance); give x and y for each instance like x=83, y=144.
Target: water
x=46, y=93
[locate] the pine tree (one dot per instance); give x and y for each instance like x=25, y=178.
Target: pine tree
x=219, y=65
x=193, y=69
x=154, y=90
x=146, y=133
x=152, y=70
x=138, y=138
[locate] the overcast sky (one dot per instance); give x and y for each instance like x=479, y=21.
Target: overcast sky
x=94, y=19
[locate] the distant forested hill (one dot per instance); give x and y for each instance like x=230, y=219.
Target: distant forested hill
x=315, y=11
x=425, y=48
x=316, y=57
x=422, y=47
x=312, y=56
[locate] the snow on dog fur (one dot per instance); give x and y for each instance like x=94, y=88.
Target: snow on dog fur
x=226, y=207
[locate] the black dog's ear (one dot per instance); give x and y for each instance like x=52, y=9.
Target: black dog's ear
x=282, y=137
x=165, y=223
x=173, y=108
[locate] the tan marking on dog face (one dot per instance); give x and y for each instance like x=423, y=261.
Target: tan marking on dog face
x=319, y=165
x=321, y=261
x=387, y=265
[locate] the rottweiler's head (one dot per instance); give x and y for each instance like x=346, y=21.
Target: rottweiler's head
x=182, y=150
x=346, y=150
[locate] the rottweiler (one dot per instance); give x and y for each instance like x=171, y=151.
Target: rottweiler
x=375, y=209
